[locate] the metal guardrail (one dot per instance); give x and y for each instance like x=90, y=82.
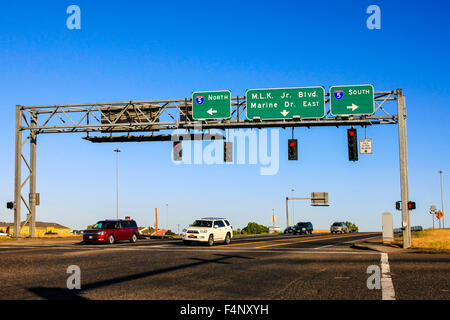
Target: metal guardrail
x=413, y=229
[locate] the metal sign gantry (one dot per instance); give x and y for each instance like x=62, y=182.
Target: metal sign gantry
x=122, y=121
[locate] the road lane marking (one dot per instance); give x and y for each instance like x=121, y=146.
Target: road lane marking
x=347, y=242
x=273, y=239
x=387, y=287
x=309, y=240
x=318, y=238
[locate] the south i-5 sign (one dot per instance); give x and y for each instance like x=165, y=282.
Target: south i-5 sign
x=285, y=103
x=211, y=105
x=350, y=100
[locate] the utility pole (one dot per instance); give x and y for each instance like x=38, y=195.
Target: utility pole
x=156, y=221
x=293, y=208
x=442, y=200
x=117, y=174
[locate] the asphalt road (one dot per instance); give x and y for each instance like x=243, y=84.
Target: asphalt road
x=318, y=266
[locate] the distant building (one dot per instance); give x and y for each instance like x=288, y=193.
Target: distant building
x=42, y=229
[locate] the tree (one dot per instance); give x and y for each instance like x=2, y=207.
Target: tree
x=351, y=226
x=169, y=233
x=254, y=228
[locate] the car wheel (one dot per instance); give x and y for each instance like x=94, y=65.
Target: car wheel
x=111, y=239
x=133, y=238
x=210, y=240
x=228, y=239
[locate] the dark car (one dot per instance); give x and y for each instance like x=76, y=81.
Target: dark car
x=303, y=228
x=289, y=229
x=110, y=231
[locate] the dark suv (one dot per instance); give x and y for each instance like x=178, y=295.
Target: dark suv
x=110, y=231
x=303, y=228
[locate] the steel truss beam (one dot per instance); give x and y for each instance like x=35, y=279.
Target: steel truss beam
x=107, y=120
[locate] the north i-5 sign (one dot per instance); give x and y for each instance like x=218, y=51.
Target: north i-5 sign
x=211, y=105
x=350, y=100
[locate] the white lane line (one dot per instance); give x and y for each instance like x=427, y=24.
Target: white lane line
x=248, y=250
x=340, y=243
x=362, y=239
x=387, y=287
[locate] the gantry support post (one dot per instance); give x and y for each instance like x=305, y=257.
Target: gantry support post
x=18, y=172
x=32, y=196
x=403, y=152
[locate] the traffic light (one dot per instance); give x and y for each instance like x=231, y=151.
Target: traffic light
x=411, y=205
x=398, y=205
x=292, y=149
x=228, y=152
x=177, y=151
x=352, y=144
x=10, y=205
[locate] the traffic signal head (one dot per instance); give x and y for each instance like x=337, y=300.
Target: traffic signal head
x=352, y=140
x=10, y=205
x=177, y=151
x=411, y=205
x=228, y=152
x=398, y=205
x=292, y=149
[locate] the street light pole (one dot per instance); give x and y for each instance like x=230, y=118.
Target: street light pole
x=442, y=200
x=117, y=175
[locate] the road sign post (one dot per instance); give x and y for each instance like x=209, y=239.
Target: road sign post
x=285, y=103
x=433, y=212
x=350, y=100
x=211, y=105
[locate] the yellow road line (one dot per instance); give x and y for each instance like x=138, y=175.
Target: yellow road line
x=310, y=240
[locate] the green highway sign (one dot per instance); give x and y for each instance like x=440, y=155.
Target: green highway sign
x=349, y=100
x=211, y=105
x=285, y=103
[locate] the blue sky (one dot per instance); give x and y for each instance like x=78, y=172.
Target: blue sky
x=142, y=50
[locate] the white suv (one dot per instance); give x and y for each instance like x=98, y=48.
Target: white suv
x=208, y=230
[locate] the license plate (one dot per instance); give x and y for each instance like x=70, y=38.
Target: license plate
x=90, y=237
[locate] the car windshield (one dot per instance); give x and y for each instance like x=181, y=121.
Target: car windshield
x=302, y=224
x=104, y=225
x=337, y=224
x=202, y=223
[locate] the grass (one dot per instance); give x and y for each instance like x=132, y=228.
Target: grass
x=438, y=239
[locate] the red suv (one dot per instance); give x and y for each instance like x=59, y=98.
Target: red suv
x=111, y=231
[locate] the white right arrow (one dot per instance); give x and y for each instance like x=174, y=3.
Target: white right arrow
x=211, y=111
x=284, y=113
x=353, y=107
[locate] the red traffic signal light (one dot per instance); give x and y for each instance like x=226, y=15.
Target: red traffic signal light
x=352, y=141
x=411, y=205
x=292, y=149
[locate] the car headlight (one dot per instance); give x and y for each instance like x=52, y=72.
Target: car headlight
x=203, y=231
x=303, y=229
x=101, y=233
